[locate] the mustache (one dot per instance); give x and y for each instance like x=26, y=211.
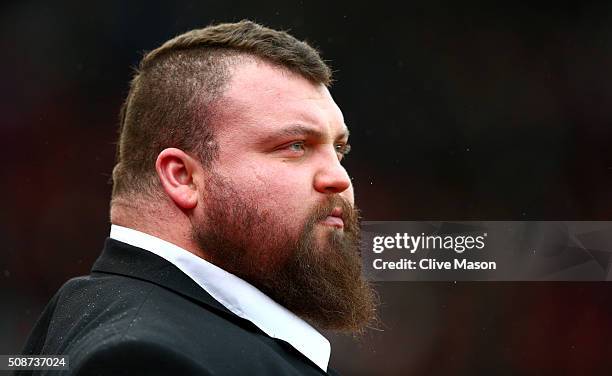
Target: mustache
x=350, y=214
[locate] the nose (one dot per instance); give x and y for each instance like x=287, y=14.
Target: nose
x=331, y=177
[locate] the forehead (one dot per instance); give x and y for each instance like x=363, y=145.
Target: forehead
x=261, y=98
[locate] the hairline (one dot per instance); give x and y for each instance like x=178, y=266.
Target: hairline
x=233, y=61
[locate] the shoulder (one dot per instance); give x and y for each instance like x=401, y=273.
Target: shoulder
x=121, y=312
x=116, y=325
x=119, y=356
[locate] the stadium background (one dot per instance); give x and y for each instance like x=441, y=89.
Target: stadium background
x=458, y=111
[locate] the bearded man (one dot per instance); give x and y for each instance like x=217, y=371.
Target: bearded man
x=233, y=226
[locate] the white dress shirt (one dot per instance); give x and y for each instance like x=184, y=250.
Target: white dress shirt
x=237, y=295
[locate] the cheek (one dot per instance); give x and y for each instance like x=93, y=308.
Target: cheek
x=285, y=191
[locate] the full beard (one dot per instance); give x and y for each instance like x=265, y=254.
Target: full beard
x=317, y=278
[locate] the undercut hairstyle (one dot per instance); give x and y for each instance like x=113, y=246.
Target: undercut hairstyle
x=173, y=93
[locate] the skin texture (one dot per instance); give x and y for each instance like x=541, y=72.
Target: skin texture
x=286, y=173
x=275, y=205
x=254, y=155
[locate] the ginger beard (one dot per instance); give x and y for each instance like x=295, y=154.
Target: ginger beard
x=316, y=273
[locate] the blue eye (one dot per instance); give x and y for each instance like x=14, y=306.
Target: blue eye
x=297, y=146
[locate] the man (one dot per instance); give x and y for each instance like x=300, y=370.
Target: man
x=233, y=224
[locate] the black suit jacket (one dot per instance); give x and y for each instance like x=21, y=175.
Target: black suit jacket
x=136, y=313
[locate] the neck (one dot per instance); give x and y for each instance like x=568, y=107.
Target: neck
x=170, y=226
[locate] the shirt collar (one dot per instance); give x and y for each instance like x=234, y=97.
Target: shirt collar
x=237, y=295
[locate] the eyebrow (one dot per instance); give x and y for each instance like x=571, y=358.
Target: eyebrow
x=302, y=130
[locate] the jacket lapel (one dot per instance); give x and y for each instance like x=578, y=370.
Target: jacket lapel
x=124, y=259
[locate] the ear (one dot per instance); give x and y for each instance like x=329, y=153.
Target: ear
x=175, y=169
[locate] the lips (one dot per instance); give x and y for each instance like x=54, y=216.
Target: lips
x=334, y=219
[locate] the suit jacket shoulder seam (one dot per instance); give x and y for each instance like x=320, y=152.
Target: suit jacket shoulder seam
x=136, y=315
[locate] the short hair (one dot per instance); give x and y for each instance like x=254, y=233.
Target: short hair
x=172, y=95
